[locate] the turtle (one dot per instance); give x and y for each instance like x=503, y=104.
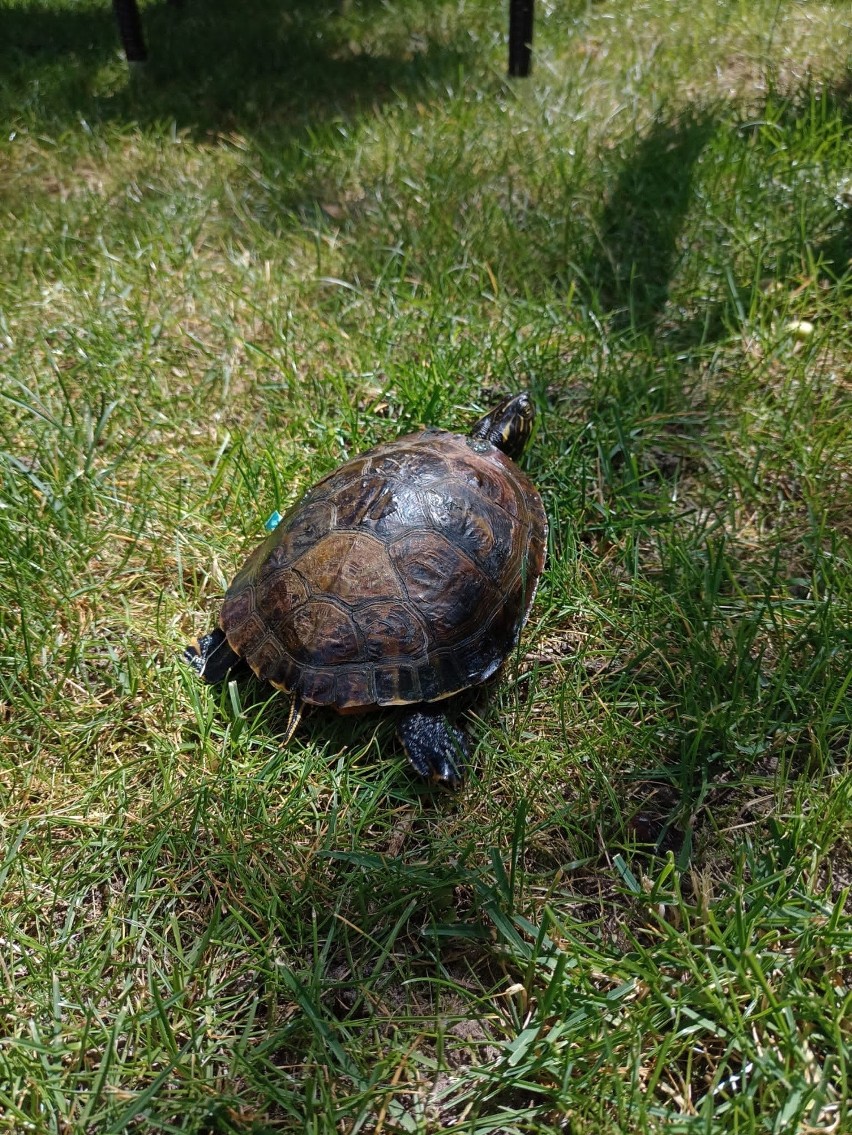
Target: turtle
x=400, y=579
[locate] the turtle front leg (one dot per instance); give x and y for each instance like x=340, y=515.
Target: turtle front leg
x=211, y=657
x=436, y=749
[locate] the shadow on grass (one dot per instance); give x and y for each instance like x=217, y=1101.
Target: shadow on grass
x=217, y=66
x=644, y=214
x=629, y=268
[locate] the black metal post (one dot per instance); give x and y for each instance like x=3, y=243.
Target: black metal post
x=130, y=29
x=520, y=37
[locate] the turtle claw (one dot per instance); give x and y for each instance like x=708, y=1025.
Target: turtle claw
x=211, y=657
x=192, y=654
x=436, y=749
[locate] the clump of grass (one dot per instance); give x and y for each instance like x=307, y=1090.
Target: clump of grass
x=300, y=232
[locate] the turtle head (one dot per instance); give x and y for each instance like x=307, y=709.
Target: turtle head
x=508, y=425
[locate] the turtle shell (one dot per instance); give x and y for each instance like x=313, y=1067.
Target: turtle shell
x=403, y=576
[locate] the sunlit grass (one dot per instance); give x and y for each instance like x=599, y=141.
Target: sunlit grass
x=306, y=229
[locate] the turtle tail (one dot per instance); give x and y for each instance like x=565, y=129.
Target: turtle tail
x=211, y=656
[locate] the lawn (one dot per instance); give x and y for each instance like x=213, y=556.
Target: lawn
x=305, y=228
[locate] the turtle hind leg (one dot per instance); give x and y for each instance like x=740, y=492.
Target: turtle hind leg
x=437, y=749
x=212, y=658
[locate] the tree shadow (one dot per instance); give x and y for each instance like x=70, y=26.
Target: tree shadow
x=219, y=66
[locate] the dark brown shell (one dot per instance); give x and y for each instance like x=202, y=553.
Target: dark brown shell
x=403, y=576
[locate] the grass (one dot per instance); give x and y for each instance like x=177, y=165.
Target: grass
x=307, y=228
